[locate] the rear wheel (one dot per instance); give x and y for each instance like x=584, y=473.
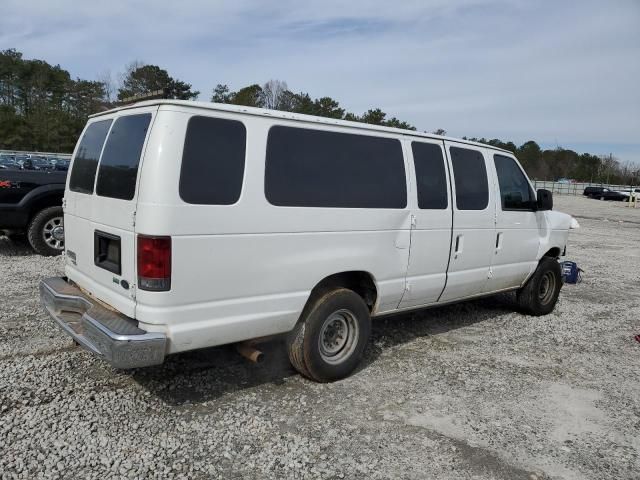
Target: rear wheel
x=540, y=294
x=329, y=340
x=46, y=231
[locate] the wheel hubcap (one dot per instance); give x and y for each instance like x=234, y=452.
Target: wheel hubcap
x=547, y=288
x=53, y=233
x=338, y=336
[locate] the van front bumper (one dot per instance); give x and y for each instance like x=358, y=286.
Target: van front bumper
x=110, y=335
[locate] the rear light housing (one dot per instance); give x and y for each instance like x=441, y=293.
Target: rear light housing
x=154, y=263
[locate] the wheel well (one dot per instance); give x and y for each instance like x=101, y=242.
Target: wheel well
x=360, y=282
x=554, y=252
x=53, y=199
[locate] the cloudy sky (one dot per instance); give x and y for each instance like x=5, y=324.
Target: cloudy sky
x=559, y=72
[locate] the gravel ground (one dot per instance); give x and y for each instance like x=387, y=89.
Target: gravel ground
x=472, y=391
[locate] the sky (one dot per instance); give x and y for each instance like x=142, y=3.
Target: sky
x=562, y=73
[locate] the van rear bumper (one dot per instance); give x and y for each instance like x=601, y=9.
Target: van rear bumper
x=110, y=335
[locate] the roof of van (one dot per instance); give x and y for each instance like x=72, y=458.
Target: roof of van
x=263, y=112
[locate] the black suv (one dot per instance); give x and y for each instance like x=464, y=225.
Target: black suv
x=592, y=191
x=31, y=192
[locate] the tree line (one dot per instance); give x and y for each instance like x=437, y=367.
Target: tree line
x=43, y=108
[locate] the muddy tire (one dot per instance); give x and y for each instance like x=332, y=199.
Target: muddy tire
x=46, y=232
x=328, y=342
x=540, y=294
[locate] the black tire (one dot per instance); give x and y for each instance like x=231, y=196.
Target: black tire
x=40, y=233
x=329, y=340
x=540, y=294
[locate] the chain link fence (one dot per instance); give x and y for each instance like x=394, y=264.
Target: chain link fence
x=566, y=188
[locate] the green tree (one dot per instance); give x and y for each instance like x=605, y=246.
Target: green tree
x=221, y=94
x=374, y=116
x=395, y=123
x=145, y=79
x=303, y=104
x=250, y=96
x=327, y=107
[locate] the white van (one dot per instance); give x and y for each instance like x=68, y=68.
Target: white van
x=190, y=225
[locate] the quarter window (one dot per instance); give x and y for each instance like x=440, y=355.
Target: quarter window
x=83, y=173
x=430, y=175
x=213, y=161
x=515, y=191
x=317, y=168
x=119, y=164
x=470, y=173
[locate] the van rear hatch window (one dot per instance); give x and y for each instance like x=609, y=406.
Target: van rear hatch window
x=119, y=164
x=83, y=173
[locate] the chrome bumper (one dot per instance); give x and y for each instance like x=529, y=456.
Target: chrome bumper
x=110, y=335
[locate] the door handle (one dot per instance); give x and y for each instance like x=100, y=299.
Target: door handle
x=459, y=245
x=499, y=238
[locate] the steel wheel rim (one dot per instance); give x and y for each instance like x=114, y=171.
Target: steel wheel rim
x=53, y=233
x=547, y=288
x=338, y=336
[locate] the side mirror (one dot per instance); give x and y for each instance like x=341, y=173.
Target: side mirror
x=545, y=200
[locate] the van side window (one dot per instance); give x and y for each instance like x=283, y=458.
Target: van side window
x=213, y=161
x=515, y=191
x=119, y=164
x=430, y=175
x=83, y=173
x=317, y=168
x=470, y=173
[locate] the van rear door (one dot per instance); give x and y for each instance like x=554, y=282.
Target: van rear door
x=101, y=198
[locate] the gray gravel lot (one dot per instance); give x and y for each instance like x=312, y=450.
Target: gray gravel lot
x=473, y=391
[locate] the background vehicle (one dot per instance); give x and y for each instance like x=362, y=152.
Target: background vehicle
x=31, y=192
x=607, y=194
x=592, y=191
x=202, y=224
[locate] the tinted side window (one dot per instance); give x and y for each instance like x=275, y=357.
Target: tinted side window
x=119, y=164
x=83, y=173
x=515, y=191
x=430, y=175
x=315, y=168
x=472, y=188
x=213, y=161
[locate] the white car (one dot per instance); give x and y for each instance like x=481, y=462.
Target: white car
x=190, y=225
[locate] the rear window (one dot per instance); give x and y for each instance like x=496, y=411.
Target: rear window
x=83, y=173
x=119, y=164
x=470, y=173
x=316, y=168
x=430, y=175
x=213, y=161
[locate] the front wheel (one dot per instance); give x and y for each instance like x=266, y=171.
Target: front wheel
x=329, y=340
x=46, y=232
x=540, y=294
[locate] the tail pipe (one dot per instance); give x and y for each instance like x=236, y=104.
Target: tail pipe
x=249, y=352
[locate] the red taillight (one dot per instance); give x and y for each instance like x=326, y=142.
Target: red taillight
x=154, y=263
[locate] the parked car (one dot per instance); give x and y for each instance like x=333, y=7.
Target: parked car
x=31, y=203
x=190, y=225
x=592, y=191
x=602, y=193
x=8, y=162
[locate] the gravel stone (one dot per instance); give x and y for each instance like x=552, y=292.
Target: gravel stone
x=468, y=391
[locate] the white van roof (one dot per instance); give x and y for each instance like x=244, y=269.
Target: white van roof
x=263, y=112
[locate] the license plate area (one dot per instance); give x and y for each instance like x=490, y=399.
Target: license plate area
x=106, y=248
